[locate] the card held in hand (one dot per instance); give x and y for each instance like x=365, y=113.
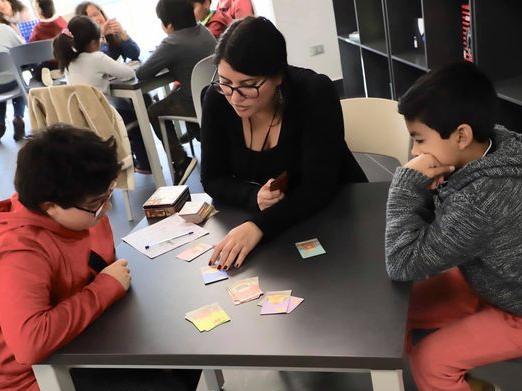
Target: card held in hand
x=280, y=183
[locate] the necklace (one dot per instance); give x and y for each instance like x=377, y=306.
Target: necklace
x=270, y=126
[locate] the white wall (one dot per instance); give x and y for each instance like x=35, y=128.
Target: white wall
x=306, y=23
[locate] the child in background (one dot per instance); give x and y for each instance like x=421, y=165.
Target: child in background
x=457, y=204
x=186, y=44
x=9, y=38
x=236, y=9
x=215, y=21
x=77, y=50
x=50, y=24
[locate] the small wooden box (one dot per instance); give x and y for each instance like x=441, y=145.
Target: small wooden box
x=166, y=201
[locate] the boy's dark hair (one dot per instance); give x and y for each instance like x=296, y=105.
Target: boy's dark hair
x=47, y=9
x=453, y=95
x=253, y=46
x=178, y=13
x=81, y=9
x=66, y=48
x=64, y=165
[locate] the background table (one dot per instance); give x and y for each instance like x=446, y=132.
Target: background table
x=353, y=317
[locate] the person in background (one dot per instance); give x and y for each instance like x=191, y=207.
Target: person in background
x=454, y=210
x=15, y=11
x=50, y=24
x=77, y=50
x=9, y=38
x=186, y=44
x=115, y=40
x=216, y=21
x=264, y=120
x=236, y=9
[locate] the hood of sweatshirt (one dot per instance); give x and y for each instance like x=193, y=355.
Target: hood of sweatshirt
x=14, y=215
x=504, y=160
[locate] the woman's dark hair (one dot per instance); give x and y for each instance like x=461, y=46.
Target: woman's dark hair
x=3, y=20
x=47, y=9
x=178, y=13
x=81, y=9
x=456, y=94
x=253, y=46
x=72, y=165
x=67, y=48
x=16, y=6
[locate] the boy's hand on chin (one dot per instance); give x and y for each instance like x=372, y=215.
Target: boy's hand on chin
x=430, y=167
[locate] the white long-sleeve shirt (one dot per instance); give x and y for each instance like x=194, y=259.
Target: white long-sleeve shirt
x=95, y=69
x=8, y=39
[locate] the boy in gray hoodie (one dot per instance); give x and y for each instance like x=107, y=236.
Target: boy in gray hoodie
x=457, y=203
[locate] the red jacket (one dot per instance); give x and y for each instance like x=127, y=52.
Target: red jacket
x=48, y=30
x=236, y=9
x=48, y=292
x=218, y=23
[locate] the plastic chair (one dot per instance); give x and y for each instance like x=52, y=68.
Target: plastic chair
x=6, y=65
x=27, y=55
x=202, y=75
x=374, y=126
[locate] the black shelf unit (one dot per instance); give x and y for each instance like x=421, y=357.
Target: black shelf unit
x=390, y=53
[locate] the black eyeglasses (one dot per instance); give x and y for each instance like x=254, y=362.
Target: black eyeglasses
x=247, y=92
x=96, y=213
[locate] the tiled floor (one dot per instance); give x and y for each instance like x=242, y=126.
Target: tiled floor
x=507, y=375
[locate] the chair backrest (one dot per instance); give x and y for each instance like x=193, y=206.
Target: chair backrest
x=202, y=75
x=30, y=54
x=86, y=107
x=373, y=125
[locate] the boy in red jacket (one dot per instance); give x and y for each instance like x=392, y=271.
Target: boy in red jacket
x=57, y=262
x=50, y=24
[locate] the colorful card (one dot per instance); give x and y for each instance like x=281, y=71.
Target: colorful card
x=207, y=317
x=194, y=251
x=276, y=302
x=294, y=302
x=245, y=290
x=310, y=248
x=212, y=274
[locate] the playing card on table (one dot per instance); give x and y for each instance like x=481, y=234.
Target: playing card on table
x=212, y=274
x=276, y=302
x=294, y=302
x=194, y=251
x=310, y=248
x=207, y=317
x=245, y=290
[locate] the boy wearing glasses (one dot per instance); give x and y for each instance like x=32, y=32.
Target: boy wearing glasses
x=187, y=43
x=58, y=271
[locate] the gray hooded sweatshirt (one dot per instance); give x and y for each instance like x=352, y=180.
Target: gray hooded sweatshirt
x=474, y=222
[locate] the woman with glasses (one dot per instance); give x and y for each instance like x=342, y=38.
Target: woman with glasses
x=272, y=137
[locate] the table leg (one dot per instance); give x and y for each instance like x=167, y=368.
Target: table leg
x=148, y=139
x=387, y=380
x=53, y=378
x=214, y=379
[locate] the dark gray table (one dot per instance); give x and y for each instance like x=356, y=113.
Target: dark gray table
x=353, y=317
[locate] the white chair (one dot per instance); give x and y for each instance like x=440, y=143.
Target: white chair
x=202, y=75
x=373, y=127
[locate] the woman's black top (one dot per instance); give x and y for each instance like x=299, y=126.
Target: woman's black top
x=311, y=148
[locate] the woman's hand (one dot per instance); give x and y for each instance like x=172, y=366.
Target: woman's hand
x=267, y=198
x=112, y=26
x=234, y=248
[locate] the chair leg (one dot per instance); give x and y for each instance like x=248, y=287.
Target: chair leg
x=128, y=209
x=166, y=145
x=192, y=149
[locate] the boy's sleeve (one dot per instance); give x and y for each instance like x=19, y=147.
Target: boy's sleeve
x=32, y=325
x=422, y=241
x=158, y=61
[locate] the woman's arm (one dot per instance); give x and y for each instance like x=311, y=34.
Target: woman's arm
x=115, y=68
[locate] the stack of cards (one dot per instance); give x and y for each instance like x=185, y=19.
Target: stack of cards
x=196, y=212
x=207, y=317
x=245, y=290
x=194, y=251
x=292, y=304
x=212, y=274
x=279, y=302
x=310, y=248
